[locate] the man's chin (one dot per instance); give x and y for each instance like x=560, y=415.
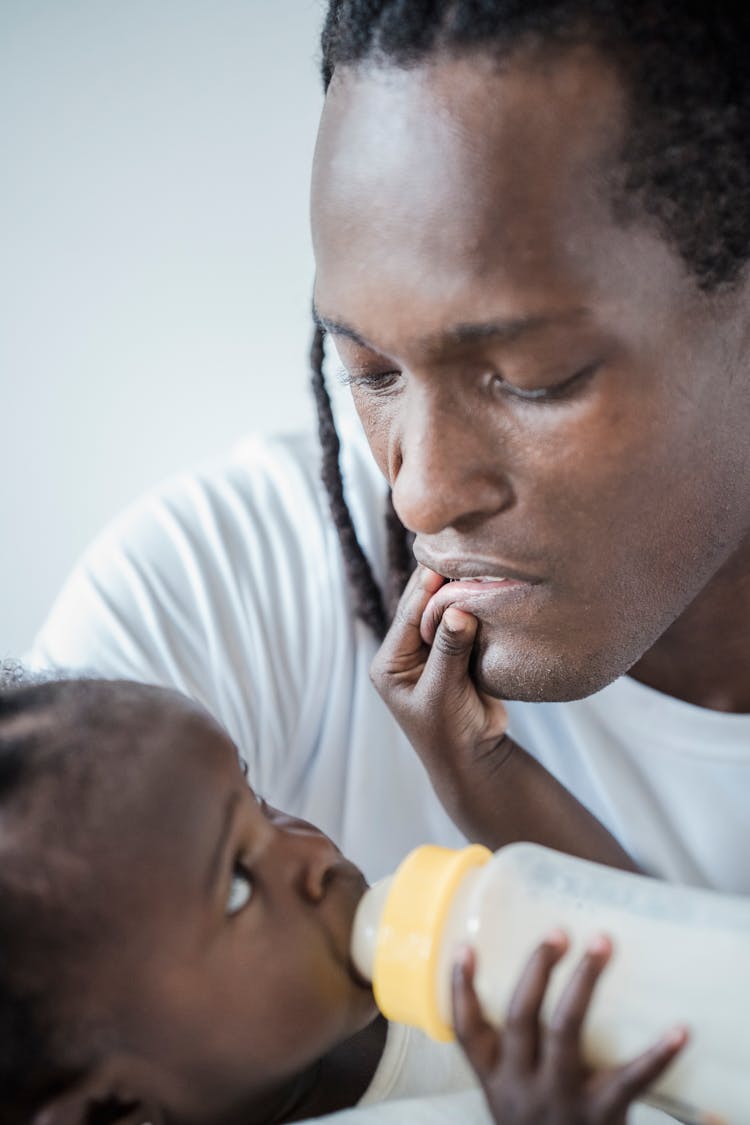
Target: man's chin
x=533, y=674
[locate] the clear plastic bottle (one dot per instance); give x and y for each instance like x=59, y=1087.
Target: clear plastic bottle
x=681, y=955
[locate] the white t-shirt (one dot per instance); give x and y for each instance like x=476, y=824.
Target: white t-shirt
x=413, y=1065
x=229, y=585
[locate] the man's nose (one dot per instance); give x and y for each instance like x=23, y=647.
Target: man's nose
x=445, y=471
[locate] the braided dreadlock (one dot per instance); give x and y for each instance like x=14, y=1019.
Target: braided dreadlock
x=686, y=162
x=369, y=605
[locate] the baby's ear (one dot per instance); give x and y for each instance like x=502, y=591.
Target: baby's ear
x=108, y=1095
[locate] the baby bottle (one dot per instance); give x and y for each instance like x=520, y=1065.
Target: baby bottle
x=681, y=955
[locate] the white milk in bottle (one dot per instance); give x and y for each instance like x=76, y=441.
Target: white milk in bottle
x=681, y=955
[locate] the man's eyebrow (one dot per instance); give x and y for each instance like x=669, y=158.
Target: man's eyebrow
x=217, y=864
x=505, y=329
x=338, y=328
x=510, y=328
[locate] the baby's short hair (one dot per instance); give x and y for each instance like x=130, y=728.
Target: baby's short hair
x=57, y=738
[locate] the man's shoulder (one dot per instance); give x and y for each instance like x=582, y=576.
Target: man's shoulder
x=234, y=554
x=264, y=482
x=266, y=487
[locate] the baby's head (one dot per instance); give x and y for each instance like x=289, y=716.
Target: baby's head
x=169, y=947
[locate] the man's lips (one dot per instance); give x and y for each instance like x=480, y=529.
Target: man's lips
x=463, y=569
x=477, y=586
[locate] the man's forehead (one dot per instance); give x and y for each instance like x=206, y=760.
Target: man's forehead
x=489, y=206
x=407, y=248
x=417, y=138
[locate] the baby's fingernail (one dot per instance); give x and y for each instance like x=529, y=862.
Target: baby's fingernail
x=599, y=946
x=464, y=964
x=677, y=1037
x=458, y=622
x=558, y=939
x=454, y=620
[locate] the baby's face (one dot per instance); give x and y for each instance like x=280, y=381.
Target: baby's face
x=225, y=954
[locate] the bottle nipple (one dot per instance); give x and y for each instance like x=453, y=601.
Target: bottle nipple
x=364, y=940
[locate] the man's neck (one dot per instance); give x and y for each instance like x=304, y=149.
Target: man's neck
x=704, y=657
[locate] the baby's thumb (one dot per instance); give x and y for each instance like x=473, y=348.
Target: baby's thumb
x=459, y=625
x=448, y=662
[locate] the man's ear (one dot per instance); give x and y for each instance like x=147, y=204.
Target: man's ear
x=111, y=1094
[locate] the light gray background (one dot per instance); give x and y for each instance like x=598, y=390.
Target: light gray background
x=155, y=262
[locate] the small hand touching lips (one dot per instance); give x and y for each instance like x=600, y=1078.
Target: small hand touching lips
x=478, y=586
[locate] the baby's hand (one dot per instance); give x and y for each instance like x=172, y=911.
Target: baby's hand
x=455, y=729
x=535, y=1075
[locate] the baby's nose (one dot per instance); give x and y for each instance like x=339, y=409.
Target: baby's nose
x=322, y=857
x=310, y=858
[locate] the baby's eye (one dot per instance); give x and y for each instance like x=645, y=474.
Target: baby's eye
x=240, y=892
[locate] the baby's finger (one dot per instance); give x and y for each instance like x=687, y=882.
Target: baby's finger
x=521, y=1040
x=562, y=1049
x=620, y=1088
x=480, y=1041
x=403, y=647
x=447, y=668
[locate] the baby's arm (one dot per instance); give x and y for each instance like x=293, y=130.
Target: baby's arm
x=494, y=791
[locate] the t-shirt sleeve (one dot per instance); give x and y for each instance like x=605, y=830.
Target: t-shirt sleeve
x=467, y=1107
x=226, y=585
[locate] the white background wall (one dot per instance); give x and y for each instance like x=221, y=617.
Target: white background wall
x=155, y=263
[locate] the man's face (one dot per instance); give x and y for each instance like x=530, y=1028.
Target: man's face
x=552, y=400
x=224, y=956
